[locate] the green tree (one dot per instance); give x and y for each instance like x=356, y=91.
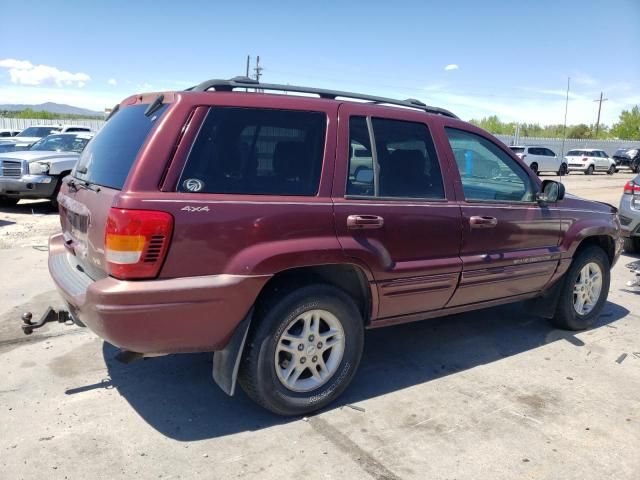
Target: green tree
x=628, y=126
x=579, y=131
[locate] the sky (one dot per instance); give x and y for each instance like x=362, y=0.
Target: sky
x=475, y=58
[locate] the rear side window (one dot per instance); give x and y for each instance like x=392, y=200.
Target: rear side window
x=403, y=165
x=517, y=149
x=108, y=157
x=256, y=152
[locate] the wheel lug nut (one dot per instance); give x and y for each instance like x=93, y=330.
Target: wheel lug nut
x=300, y=347
x=319, y=344
x=311, y=337
x=314, y=359
x=303, y=359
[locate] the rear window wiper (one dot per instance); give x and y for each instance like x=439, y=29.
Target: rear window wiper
x=75, y=182
x=155, y=106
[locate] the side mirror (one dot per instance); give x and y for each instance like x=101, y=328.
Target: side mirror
x=552, y=192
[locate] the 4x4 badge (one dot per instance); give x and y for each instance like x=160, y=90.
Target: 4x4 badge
x=193, y=184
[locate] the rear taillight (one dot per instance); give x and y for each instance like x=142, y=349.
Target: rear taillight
x=136, y=242
x=631, y=188
x=523, y=156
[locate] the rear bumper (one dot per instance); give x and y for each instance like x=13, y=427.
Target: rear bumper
x=578, y=167
x=155, y=316
x=28, y=186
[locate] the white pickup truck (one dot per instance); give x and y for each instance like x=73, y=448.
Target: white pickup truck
x=37, y=171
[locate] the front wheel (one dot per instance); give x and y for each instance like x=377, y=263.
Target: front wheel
x=612, y=170
x=534, y=167
x=303, y=350
x=589, y=171
x=584, y=291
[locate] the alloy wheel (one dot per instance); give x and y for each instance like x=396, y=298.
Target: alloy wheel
x=587, y=289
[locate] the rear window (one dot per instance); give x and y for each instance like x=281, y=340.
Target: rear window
x=108, y=157
x=517, y=149
x=256, y=152
x=38, y=131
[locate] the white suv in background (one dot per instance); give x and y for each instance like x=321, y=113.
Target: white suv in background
x=540, y=159
x=589, y=160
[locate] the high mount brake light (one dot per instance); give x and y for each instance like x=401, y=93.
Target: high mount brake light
x=136, y=242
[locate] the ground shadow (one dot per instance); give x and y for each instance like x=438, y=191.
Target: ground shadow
x=177, y=396
x=36, y=207
x=4, y=223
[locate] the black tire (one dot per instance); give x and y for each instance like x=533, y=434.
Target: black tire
x=612, y=170
x=589, y=171
x=631, y=245
x=8, y=201
x=636, y=167
x=54, y=196
x=534, y=167
x=258, y=377
x=563, y=170
x=566, y=316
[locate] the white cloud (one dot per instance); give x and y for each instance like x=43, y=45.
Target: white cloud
x=23, y=72
x=451, y=66
x=113, y=82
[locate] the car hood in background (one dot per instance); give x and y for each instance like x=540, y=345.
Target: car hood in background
x=41, y=155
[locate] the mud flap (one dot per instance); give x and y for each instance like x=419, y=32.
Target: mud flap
x=226, y=362
x=545, y=305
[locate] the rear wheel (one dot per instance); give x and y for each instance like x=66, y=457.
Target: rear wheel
x=8, y=201
x=303, y=350
x=54, y=196
x=563, y=170
x=631, y=245
x=612, y=170
x=589, y=171
x=636, y=167
x=584, y=291
x=534, y=167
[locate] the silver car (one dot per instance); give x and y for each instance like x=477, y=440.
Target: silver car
x=629, y=214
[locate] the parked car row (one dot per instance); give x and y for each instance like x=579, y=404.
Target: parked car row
x=37, y=171
x=30, y=135
x=585, y=160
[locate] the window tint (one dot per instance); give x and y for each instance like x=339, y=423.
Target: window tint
x=61, y=143
x=256, y=151
x=487, y=172
x=406, y=160
x=5, y=134
x=38, y=131
x=577, y=153
x=549, y=153
x=77, y=129
x=108, y=157
x=536, y=151
x=517, y=149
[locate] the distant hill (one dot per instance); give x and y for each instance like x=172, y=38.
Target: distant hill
x=57, y=108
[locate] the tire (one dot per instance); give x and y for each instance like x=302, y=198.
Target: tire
x=534, y=167
x=563, y=170
x=54, y=196
x=566, y=314
x=589, y=171
x=268, y=353
x=8, y=201
x=636, y=168
x=612, y=170
x=631, y=245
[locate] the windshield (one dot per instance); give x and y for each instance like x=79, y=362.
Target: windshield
x=61, y=143
x=38, y=131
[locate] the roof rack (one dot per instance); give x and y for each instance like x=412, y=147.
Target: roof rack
x=246, y=82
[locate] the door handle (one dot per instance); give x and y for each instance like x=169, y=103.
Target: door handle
x=483, y=222
x=361, y=222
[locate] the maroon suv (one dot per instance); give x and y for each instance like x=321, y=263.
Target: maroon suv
x=273, y=229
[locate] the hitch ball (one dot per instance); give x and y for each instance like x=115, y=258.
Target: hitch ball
x=26, y=318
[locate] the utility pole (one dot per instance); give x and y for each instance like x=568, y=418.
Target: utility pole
x=566, y=109
x=600, y=100
x=248, y=61
x=258, y=68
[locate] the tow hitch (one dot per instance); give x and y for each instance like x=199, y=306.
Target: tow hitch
x=51, y=315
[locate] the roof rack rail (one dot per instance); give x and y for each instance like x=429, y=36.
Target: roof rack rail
x=246, y=82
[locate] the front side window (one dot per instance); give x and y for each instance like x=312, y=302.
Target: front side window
x=487, y=172
x=256, y=152
x=403, y=163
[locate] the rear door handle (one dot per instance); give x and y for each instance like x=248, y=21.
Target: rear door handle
x=361, y=222
x=483, y=222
